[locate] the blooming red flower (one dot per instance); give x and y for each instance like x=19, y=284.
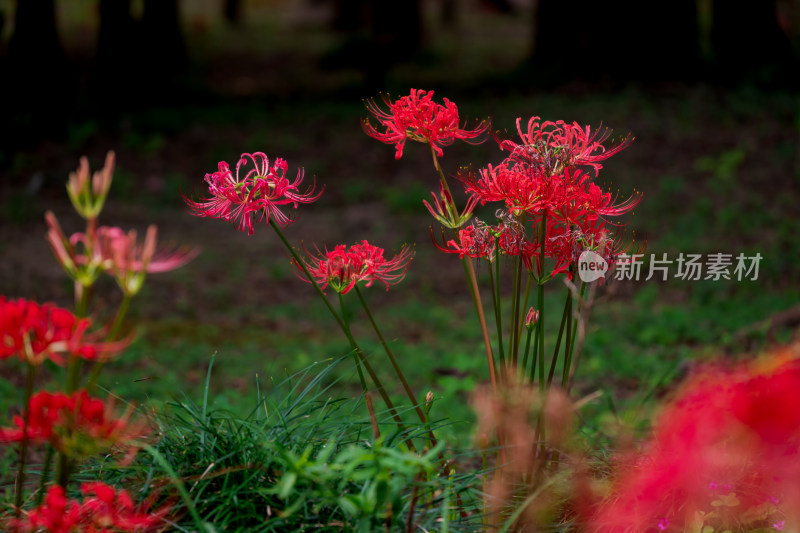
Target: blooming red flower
x=478, y=240
x=103, y=510
x=729, y=441
x=76, y=424
x=35, y=332
x=56, y=515
x=419, y=118
x=344, y=267
x=261, y=191
x=554, y=146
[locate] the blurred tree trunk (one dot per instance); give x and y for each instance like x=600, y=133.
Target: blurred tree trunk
x=37, y=83
x=748, y=43
x=115, y=36
x=449, y=13
x=162, y=39
x=232, y=11
x=622, y=40
x=381, y=33
x=35, y=45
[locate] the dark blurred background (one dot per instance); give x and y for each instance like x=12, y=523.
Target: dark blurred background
x=708, y=88
x=64, y=62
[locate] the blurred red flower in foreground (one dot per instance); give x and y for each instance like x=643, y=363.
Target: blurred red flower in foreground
x=419, y=118
x=342, y=268
x=724, y=455
x=104, y=509
x=36, y=332
x=76, y=425
x=260, y=191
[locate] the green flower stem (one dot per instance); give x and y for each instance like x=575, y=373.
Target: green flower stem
x=400, y=375
x=515, y=314
x=564, y=320
x=360, y=358
x=91, y=383
x=345, y=329
x=568, y=363
x=422, y=416
x=568, y=346
x=476, y=298
x=524, y=366
x=494, y=280
x=473, y=281
x=349, y=335
x=19, y=484
x=540, y=324
x=535, y=353
x=45, y=477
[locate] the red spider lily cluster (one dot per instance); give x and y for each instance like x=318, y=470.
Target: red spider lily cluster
x=419, y=118
x=539, y=183
x=38, y=332
x=344, y=267
x=103, y=510
x=725, y=454
x=261, y=191
x=540, y=186
x=77, y=424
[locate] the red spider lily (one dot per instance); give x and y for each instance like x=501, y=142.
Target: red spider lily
x=554, y=146
x=419, y=118
x=260, y=191
x=342, y=268
x=478, y=240
x=724, y=452
x=35, y=332
x=521, y=189
x=104, y=509
x=76, y=424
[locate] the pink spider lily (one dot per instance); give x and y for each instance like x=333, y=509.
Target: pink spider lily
x=89, y=194
x=555, y=146
x=38, y=332
x=419, y=118
x=261, y=191
x=344, y=267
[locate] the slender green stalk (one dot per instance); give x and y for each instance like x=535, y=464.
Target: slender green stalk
x=349, y=335
x=516, y=320
x=400, y=375
x=567, y=381
x=45, y=477
x=19, y=484
x=524, y=366
x=346, y=330
x=535, y=354
x=113, y=334
x=473, y=282
x=494, y=280
x=567, y=347
x=542, y=237
x=565, y=319
x=476, y=298
x=514, y=307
